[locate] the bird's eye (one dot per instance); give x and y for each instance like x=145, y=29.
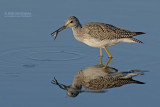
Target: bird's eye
x=71, y=22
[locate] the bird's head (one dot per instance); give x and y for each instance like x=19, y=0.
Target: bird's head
x=71, y=22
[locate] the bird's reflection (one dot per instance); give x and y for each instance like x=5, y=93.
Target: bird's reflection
x=97, y=79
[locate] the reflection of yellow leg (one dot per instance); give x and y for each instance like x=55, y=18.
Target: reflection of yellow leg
x=108, y=62
x=108, y=52
x=100, y=55
x=100, y=59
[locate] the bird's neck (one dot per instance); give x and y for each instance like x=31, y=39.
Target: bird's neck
x=77, y=32
x=77, y=81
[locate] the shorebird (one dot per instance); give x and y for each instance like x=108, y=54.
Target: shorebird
x=99, y=35
x=97, y=79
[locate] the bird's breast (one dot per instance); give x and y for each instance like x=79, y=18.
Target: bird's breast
x=99, y=43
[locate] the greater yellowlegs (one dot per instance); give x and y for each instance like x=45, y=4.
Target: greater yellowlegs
x=98, y=35
x=97, y=79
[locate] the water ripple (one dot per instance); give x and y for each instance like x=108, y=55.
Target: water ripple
x=25, y=56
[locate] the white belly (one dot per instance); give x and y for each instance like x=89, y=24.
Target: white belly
x=98, y=43
x=105, y=43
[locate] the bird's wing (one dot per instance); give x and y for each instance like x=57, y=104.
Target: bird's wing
x=106, y=82
x=106, y=31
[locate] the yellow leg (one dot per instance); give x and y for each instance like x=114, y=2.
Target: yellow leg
x=108, y=62
x=110, y=56
x=101, y=52
x=100, y=55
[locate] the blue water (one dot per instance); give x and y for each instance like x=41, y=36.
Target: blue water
x=30, y=58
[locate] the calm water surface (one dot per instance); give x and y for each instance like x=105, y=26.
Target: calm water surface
x=30, y=58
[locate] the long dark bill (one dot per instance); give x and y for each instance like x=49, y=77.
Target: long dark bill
x=62, y=86
x=55, y=33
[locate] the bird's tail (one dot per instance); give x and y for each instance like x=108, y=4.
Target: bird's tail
x=136, y=40
x=130, y=74
x=137, y=82
x=139, y=33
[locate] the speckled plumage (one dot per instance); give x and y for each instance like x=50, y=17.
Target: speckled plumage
x=103, y=31
x=106, y=83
